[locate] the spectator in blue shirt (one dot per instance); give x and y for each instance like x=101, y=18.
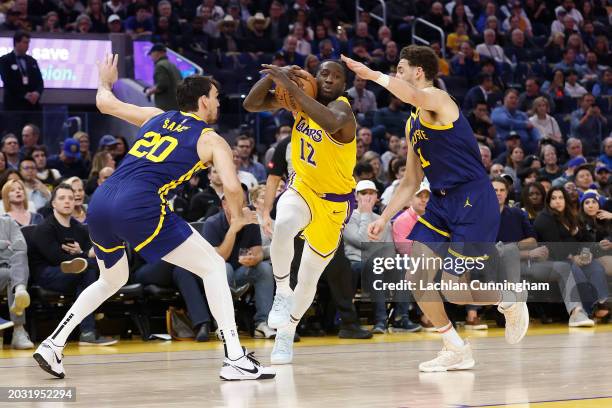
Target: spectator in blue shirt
x=141, y=24
x=569, y=62
x=606, y=156
x=466, y=63
x=508, y=119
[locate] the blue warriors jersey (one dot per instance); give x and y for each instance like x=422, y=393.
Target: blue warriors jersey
x=131, y=206
x=165, y=153
x=448, y=154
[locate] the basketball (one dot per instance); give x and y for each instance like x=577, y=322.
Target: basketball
x=287, y=101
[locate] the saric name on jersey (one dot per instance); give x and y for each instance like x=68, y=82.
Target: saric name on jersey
x=173, y=126
x=314, y=134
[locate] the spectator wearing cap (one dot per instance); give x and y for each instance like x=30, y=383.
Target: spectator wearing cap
x=602, y=177
x=551, y=169
x=546, y=124
x=570, y=9
x=239, y=243
x=140, y=24
x=229, y=40
x=606, y=156
x=483, y=92
x=114, y=24
x=570, y=169
x=166, y=78
x=598, y=225
x=589, y=125
x=10, y=148
x=572, y=87
x=508, y=119
x=107, y=143
x=511, y=140
x=69, y=162
x=258, y=39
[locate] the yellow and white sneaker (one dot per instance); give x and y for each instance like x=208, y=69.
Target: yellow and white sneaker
x=449, y=359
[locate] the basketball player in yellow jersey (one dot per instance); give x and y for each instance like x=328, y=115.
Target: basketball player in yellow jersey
x=319, y=198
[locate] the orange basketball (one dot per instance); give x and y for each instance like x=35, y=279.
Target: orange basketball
x=287, y=101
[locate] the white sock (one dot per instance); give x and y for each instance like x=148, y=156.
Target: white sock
x=311, y=268
x=450, y=335
x=209, y=265
x=110, y=281
x=292, y=216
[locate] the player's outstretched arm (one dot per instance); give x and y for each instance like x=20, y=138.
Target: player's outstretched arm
x=108, y=103
x=261, y=97
x=430, y=99
x=212, y=148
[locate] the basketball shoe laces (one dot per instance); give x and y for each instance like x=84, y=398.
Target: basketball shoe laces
x=283, y=343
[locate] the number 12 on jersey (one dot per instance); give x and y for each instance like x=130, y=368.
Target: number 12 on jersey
x=307, y=152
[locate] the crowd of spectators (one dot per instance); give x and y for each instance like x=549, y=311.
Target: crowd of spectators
x=533, y=78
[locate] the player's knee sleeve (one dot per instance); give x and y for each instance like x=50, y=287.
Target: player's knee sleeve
x=115, y=277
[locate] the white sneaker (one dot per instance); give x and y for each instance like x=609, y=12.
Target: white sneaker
x=579, y=319
x=21, y=300
x=517, y=321
x=245, y=368
x=281, y=309
x=263, y=331
x=21, y=339
x=449, y=359
x=49, y=358
x=282, y=353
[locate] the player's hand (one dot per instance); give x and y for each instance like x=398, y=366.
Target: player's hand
x=267, y=225
x=360, y=69
x=279, y=76
x=376, y=228
x=247, y=217
x=107, y=70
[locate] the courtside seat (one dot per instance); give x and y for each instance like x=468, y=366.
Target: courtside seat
x=154, y=292
x=129, y=292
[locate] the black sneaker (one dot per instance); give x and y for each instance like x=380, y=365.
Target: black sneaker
x=203, y=333
x=404, y=325
x=354, y=331
x=91, y=339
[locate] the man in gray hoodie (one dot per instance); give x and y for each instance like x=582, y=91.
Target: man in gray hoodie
x=14, y=275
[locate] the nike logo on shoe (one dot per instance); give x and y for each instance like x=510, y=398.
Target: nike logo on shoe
x=58, y=360
x=254, y=370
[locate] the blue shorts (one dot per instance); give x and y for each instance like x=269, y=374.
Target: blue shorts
x=133, y=213
x=461, y=222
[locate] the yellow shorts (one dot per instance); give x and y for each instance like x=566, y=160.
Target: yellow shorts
x=327, y=218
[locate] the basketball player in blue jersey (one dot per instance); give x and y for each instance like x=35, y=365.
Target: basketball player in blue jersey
x=462, y=215
x=131, y=207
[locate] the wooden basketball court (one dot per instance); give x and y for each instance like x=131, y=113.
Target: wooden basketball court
x=554, y=366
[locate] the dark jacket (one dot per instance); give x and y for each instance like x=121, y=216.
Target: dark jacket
x=48, y=238
x=166, y=77
x=558, y=239
x=14, y=87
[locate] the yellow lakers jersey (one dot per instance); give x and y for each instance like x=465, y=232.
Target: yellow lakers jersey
x=322, y=163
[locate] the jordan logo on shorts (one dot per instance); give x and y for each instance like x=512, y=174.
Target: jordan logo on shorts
x=467, y=202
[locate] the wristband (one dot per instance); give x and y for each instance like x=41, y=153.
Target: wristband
x=383, y=80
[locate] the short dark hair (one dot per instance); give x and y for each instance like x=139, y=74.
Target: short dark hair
x=60, y=186
x=192, y=88
x=27, y=158
x=421, y=56
x=38, y=148
x=340, y=63
x=20, y=35
x=363, y=167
